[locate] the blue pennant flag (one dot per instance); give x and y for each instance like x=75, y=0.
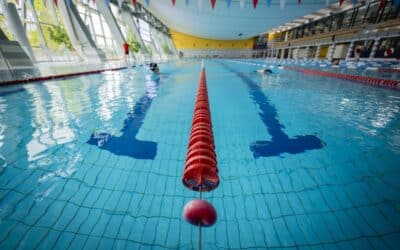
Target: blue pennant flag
x=187, y=2
x=228, y=2
x=269, y=3
x=107, y=2
x=147, y=3
x=354, y=2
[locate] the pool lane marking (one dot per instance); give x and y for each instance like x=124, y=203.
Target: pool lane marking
x=281, y=143
x=127, y=144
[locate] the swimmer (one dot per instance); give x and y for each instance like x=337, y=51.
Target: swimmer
x=264, y=71
x=154, y=67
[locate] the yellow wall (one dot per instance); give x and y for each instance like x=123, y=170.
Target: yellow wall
x=273, y=36
x=184, y=41
x=323, y=52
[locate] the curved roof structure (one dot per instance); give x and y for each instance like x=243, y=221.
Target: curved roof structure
x=236, y=22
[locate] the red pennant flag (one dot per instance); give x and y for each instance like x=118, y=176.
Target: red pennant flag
x=134, y=3
x=213, y=3
x=341, y=2
x=382, y=4
x=55, y=1
x=255, y=3
x=173, y=2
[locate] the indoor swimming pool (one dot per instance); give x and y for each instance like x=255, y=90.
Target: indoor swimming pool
x=96, y=162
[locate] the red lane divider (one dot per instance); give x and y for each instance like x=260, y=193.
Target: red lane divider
x=388, y=70
x=201, y=172
x=54, y=77
x=362, y=79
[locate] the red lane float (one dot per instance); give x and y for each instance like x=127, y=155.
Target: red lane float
x=200, y=212
x=388, y=69
x=54, y=77
x=201, y=172
x=362, y=79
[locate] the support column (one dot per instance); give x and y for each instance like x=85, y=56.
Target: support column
x=17, y=29
x=158, y=39
x=318, y=52
x=171, y=44
x=374, y=49
x=78, y=33
x=105, y=11
x=295, y=55
x=23, y=12
x=168, y=42
x=52, y=7
x=155, y=42
x=331, y=51
x=350, y=50
x=307, y=53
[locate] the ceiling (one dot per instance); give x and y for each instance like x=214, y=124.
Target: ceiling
x=198, y=19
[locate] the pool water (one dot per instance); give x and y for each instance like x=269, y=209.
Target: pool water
x=96, y=161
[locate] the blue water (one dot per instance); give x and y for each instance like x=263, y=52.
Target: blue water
x=96, y=161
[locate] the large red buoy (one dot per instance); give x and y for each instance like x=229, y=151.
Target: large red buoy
x=200, y=213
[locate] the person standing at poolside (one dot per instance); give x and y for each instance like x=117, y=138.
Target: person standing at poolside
x=126, y=52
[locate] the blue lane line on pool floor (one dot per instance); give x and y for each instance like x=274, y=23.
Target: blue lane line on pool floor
x=127, y=144
x=281, y=143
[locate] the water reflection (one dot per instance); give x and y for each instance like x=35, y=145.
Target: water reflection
x=51, y=119
x=108, y=92
x=127, y=144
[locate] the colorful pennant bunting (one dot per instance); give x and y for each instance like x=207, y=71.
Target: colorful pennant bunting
x=213, y=3
x=255, y=2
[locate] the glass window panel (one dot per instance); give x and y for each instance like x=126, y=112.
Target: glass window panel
x=4, y=28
